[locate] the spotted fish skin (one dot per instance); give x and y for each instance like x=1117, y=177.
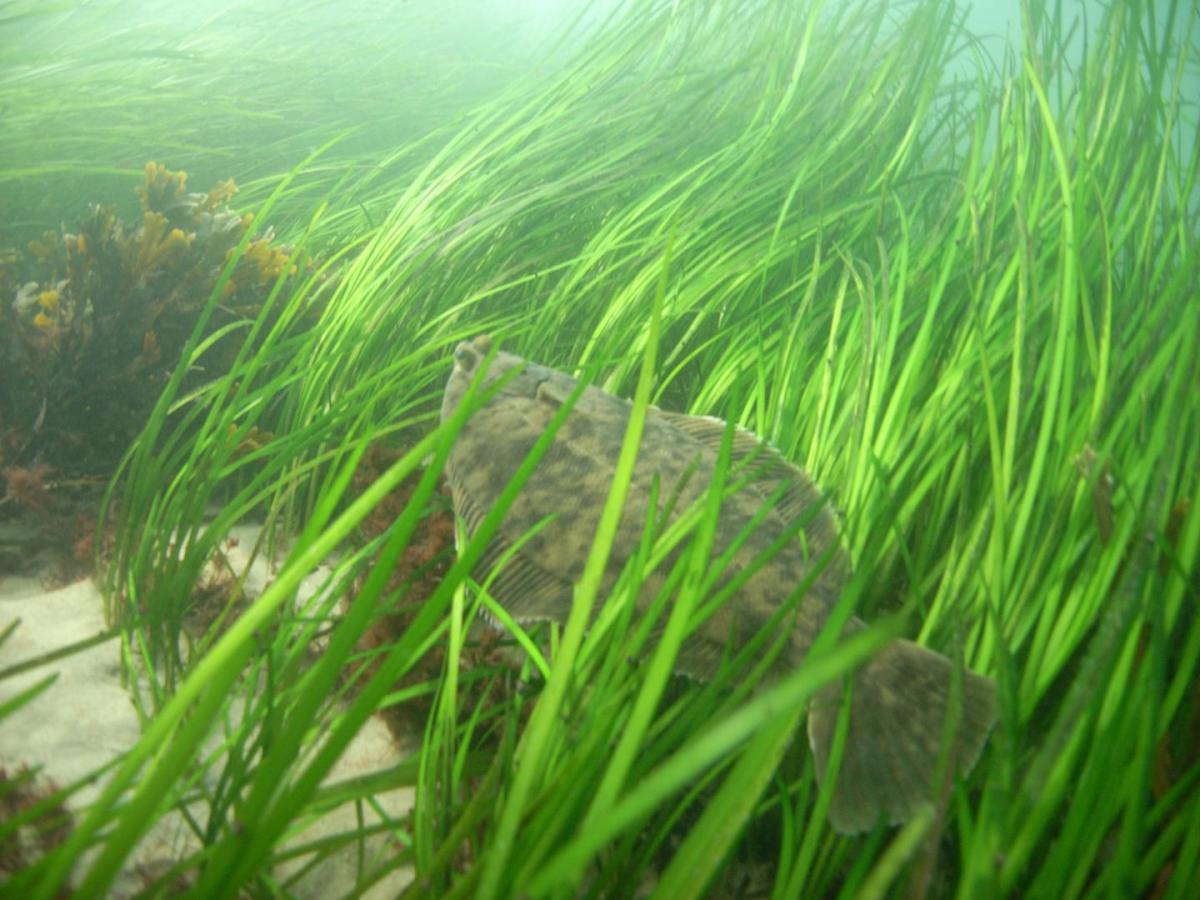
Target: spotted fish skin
x=572, y=482
x=899, y=700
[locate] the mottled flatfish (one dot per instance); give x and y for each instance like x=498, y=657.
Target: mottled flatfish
x=899, y=700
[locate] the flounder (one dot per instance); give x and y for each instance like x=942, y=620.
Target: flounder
x=900, y=698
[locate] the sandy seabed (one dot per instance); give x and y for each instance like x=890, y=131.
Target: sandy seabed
x=86, y=718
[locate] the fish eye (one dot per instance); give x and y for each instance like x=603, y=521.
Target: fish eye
x=462, y=354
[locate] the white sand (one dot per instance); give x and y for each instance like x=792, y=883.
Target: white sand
x=86, y=718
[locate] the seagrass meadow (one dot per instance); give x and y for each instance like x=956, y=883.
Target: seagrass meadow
x=958, y=285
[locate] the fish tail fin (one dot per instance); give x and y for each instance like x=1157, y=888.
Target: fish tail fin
x=900, y=701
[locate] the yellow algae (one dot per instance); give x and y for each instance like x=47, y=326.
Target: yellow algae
x=162, y=188
x=269, y=260
x=220, y=194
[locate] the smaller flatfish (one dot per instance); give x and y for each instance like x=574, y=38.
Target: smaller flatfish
x=900, y=699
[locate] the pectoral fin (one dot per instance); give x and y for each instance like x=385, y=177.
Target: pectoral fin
x=526, y=590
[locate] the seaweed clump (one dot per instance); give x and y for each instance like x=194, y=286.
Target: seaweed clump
x=38, y=820
x=95, y=318
x=93, y=322
x=415, y=577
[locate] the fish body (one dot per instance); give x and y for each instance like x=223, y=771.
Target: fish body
x=900, y=699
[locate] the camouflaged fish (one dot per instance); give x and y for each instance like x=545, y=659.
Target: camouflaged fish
x=900, y=699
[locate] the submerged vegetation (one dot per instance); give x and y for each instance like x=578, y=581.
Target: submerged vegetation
x=967, y=307
x=94, y=321
x=98, y=317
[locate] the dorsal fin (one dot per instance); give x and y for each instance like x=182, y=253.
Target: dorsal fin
x=710, y=432
x=800, y=498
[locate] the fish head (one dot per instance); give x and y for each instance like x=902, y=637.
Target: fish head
x=530, y=381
